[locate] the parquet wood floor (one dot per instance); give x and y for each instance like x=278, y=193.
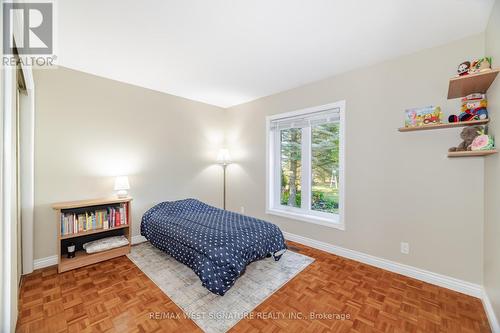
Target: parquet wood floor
x=115, y=296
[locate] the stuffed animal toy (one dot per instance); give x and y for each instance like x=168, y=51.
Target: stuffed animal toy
x=463, y=68
x=480, y=65
x=477, y=66
x=474, y=107
x=468, y=134
x=483, y=142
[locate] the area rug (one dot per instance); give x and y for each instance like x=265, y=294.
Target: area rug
x=213, y=313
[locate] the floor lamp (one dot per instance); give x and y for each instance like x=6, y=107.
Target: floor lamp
x=224, y=160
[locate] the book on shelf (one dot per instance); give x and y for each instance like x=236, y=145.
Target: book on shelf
x=104, y=218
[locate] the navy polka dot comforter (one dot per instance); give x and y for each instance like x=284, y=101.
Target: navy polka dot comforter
x=216, y=244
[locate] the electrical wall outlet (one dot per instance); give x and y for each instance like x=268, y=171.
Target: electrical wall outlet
x=242, y=210
x=405, y=248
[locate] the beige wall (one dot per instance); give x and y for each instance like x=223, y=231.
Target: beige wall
x=492, y=173
x=90, y=129
x=400, y=186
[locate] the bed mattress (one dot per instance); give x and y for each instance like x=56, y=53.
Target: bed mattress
x=216, y=244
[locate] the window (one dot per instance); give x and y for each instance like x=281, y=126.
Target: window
x=305, y=169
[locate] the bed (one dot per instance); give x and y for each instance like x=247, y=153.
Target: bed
x=216, y=244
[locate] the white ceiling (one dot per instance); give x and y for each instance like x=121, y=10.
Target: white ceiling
x=227, y=52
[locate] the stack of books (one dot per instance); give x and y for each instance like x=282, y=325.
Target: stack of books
x=105, y=218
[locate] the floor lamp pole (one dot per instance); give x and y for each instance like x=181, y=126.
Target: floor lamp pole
x=224, y=166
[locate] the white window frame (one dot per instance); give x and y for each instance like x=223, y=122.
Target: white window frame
x=273, y=172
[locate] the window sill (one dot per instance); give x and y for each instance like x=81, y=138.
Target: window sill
x=306, y=218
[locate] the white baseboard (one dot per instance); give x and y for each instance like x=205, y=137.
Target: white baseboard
x=490, y=313
x=45, y=262
x=461, y=286
x=138, y=239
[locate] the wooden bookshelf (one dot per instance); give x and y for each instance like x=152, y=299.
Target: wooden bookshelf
x=474, y=153
x=82, y=258
x=441, y=126
x=472, y=83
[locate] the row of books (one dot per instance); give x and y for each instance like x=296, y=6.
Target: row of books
x=110, y=217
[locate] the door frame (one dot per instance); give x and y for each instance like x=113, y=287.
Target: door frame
x=27, y=168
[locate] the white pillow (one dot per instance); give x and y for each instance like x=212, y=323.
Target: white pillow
x=104, y=244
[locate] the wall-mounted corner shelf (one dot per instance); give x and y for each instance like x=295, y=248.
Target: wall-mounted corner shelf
x=473, y=83
x=474, y=153
x=459, y=87
x=441, y=126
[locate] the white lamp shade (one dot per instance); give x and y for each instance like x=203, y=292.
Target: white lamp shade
x=223, y=156
x=121, y=183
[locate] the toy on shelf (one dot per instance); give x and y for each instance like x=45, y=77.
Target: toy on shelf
x=474, y=107
x=483, y=142
x=468, y=135
x=480, y=65
x=463, y=68
x=477, y=66
x=423, y=116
